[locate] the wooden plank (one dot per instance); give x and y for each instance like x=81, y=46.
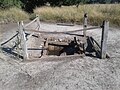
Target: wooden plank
x=68, y=32
x=37, y=48
x=30, y=23
x=65, y=24
x=90, y=28
x=23, y=41
x=104, y=39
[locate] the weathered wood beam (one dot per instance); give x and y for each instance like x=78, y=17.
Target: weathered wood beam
x=104, y=37
x=30, y=23
x=23, y=40
x=68, y=32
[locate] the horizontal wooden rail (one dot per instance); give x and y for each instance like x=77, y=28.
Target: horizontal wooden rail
x=68, y=32
x=34, y=30
x=30, y=22
x=91, y=28
x=65, y=24
x=35, y=48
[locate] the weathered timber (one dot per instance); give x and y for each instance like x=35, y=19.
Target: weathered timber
x=84, y=31
x=105, y=29
x=65, y=24
x=30, y=23
x=23, y=41
x=68, y=32
x=37, y=48
x=50, y=45
x=85, y=24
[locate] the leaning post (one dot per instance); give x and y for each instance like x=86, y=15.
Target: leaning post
x=23, y=41
x=104, y=37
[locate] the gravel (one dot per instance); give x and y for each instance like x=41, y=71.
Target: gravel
x=61, y=73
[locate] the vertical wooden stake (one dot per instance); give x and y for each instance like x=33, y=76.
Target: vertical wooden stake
x=105, y=29
x=85, y=24
x=23, y=41
x=45, y=52
x=38, y=21
x=84, y=32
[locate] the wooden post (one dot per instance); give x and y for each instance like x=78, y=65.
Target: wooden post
x=45, y=52
x=38, y=21
x=23, y=41
x=105, y=29
x=85, y=24
x=84, y=31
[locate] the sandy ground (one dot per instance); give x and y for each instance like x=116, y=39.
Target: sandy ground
x=61, y=73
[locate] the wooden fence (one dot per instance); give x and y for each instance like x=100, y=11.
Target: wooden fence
x=23, y=38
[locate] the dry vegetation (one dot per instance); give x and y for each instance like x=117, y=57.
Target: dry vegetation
x=97, y=13
x=12, y=15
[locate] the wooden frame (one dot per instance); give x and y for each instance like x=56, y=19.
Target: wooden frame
x=103, y=47
x=23, y=28
x=24, y=38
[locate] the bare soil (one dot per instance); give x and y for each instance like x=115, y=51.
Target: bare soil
x=61, y=73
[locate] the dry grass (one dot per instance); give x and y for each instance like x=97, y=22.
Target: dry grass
x=12, y=15
x=97, y=13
